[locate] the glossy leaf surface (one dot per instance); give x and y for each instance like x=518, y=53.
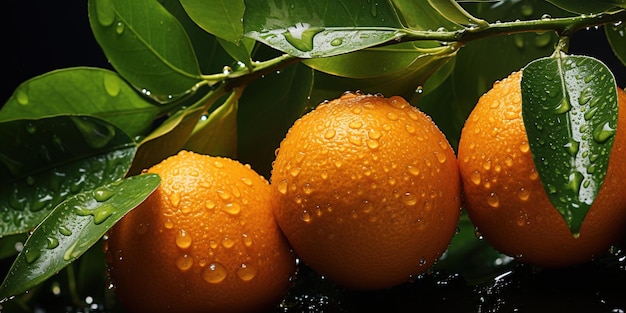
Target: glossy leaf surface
x=85, y=91
x=569, y=106
x=72, y=228
x=46, y=160
x=146, y=44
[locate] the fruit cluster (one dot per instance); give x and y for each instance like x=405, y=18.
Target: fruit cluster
x=365, y=190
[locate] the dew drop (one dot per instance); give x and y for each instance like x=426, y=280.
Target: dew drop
x=105, y=12
x=247, y=241
x=392, y=116
x=246, y=181
x=227, y=242
x=52, y=242
x=602, y=133
x=374, y=134
x=184, y=262
x=572, y=147
x=372, y=144
x=307, y=189
x=409, y=199
x=246, y=272
x=102, y=213
x=475, y=178
x=301, y=36
x=111, y=84
x=119, y=28
x=563, y=107
x=574, y=181
x=63, y=230
x=31, y=255
x=183, y=240
x=410, y=129
x=305, y=216
x=523, y=194
x=585, y=96
x=330, y=133
x=355, y=124
x=22, y=97
x=209, y=204
x=524, y=147
x=413, y=170
x=174, y=199
x=336, y=42
x=294, y=171
x=493, y=200
x=232, y=208
x=355, y=140
x=214, y=273
x=590, y=113
x=103, y=194
x=224, y=195
x=282, y=186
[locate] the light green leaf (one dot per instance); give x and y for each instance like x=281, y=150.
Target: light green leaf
x=146, y=44
x=569, y=106
x=222, y=18
x=72, y=228
x=84, y=91
x=42, y=161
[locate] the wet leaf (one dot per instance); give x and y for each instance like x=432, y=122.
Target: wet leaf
x=309, y=29
x=43, y=161
x=452, y=11
x=72, y=228
x=222, y=18
x=587, y=7
x=569, y=106
x=216, y=132
x=84, y=91
x=146, y=44
x=420, y=15
x=616, y=35
x=170, y=136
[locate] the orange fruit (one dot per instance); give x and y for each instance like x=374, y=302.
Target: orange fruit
x=505, y=198
x=367, y=190
x=205, y=241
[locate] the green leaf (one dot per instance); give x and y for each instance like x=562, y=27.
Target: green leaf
x=382, y=61
x=72, y=228
x=308, y=29
x=42, y=161
x=222, y=18
x=451, y=10
x=216, y=132
x=84, y=91
x=569, y=106
x=146, y=44
x=616, y=35
x=240, y=52
x=420, y=15
x=588, y=7
x=171, y=135
x=267, y=109
x=9, y=245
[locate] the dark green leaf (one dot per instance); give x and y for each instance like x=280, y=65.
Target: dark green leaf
x=267, y=109
x=222, y=18
x=240, y=52
x=616, y=35
x=587, y=7
x=320, y=28
x=451, y=10
x=216, y=132
x=72, y=228
x=146, y=44
x=420, y=15
x=569, y=106
x=172, y=134
x=84, y=91
x=43, y=161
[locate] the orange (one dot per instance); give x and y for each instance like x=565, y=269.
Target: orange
x=367, y=190
x=505, y=198
x=205, y=241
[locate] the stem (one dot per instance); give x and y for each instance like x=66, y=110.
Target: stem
x=563, y=26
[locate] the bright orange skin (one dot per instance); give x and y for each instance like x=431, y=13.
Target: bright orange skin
x=207, y=213
x=368, y=190
x=505, y=198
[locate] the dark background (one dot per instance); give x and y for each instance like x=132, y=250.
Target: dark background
x=42, y=35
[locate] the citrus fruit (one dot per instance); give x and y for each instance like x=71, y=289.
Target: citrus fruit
x=367, y=190
x=505, y=198
x=205, y=241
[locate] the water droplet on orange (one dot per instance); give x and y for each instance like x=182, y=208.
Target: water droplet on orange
x=183, y=240
x=410, y=129
x=214, y=273
x=475, y=177
x=374, y=134
x=282, y=186
x=294, y=171
x=246, y=181
x=524, y=147
x=227, y=242
x=523, y=194
x=223, y=194
x=174, y=199
x=355, y=140
x=392, y=116
x=329, y=134
x=232, y=208
x=305, y=216
x=247, y=241
x=441, y=157
x=409, y=199
x=355, y=124
x=246, y=272
x=493, y=200
x=209, y=204
x=184, y=262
